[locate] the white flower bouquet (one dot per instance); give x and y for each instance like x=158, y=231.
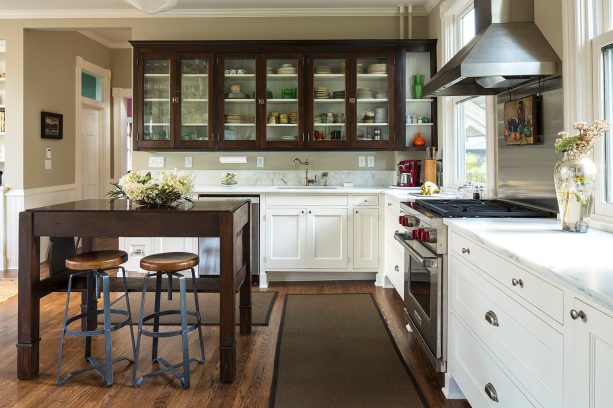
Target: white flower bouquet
x=150, y=192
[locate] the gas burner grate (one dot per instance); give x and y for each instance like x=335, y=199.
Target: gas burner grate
x=480, y=208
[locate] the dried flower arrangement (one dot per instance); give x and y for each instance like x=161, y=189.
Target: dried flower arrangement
x=580, y=144
x=147, y=191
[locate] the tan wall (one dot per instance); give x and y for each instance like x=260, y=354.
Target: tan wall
x=49, y=78
x=548, y=18
x=121, y=67
x=434, y=31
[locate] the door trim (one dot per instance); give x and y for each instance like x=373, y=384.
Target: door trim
x=104, y=179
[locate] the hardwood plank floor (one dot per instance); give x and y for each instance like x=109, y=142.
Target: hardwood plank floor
x=255, y=360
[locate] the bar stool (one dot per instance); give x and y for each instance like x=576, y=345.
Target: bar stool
x=93, y=265
x=169, y=264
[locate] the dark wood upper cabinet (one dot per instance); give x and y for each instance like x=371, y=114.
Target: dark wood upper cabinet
x=281, y=95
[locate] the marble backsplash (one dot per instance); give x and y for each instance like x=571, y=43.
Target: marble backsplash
x=292, y=177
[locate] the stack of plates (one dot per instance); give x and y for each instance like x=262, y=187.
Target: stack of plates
x=380, y=115
x=377, y=69
x=237, y=95
x=323, y=69
x=233, y=119
x=381, y=95
x=365, y=93
x=359, y=68
x=338, y=94
x=288, y=137
x=293, y=118
x=286, y=69
x=321, y=92
x=269, y=70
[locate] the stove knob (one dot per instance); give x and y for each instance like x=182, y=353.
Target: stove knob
x=411, y=221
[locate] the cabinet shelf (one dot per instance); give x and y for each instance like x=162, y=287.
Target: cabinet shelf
x=240, y=124
x=282, y=124
x=281, y=76
x=157, y=124
x=157, y=75
x=373, y=100
x=195, y=100
x=157, y=100
x=328, y=100
x=371, y=76
x=328, y=76
x=194, y=124
x=194, y=75
x=420, y=124
x=371, y=124
x=239, y=75
x=329, y=124
x=281, y=100
x=420, y=100
x=240, y=100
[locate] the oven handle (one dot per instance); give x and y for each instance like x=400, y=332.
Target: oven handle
x=427, y=262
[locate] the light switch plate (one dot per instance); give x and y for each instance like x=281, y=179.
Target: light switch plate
x=188, y=162
x=371, y=161
x=48, y=164
x=156, y=161
x=260, y=161
x=361, y=161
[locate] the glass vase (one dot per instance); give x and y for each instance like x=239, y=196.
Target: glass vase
x=575, y=181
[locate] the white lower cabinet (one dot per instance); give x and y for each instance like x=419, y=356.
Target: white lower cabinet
x=285, y=238
x=366, y=238
x=326, y=238
x=521, y=339
x=593, y=356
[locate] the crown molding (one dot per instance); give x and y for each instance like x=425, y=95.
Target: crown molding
x=430, y=5
x=217, y=13
x=103, y=41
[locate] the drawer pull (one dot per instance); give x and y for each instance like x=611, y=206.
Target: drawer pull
x=466, y=251
x=491, y=392
x=396, y=268
x=389, y=204
x=574, y=314
x=516, y=282
x=137, y=252
x=491, y=318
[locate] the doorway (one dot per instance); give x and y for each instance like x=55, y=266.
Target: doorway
x=90, y=148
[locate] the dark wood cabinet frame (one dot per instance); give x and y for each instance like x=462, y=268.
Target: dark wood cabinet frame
x=302, y=50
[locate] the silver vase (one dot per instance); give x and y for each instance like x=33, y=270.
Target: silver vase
x=575, y=181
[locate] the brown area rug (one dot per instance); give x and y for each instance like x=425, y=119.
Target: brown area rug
x=261, y=306
x=337, y=351
x=8, y=289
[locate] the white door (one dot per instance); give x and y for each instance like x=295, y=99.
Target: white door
x=366, y=238
x=285, y=238
x=593, y=373
x=327, y=238
x=90, y=152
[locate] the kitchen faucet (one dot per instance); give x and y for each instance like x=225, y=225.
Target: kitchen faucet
x=307, y=180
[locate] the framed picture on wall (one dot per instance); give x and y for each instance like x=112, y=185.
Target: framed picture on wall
x=51, y=125
x=520, y=121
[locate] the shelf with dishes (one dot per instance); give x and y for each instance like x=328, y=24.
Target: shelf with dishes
x=281, y=100
x=322, y=100
x=281, y=76
x=281, y=124
x=239, y=75
x=371, y=124
x=239, y=124
x=239, y=100
x=195, y=75
x=329, y=124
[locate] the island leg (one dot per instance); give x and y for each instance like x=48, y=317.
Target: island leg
x=28, y=309
x=227, y=340
x=89, y=303
x=245, y=289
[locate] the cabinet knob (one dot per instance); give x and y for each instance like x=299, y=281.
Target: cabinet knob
x=575, y=314
x=309, y=211
x=466, y=251
x=491, y=318
x=302, y=212
x=356, y=211
x=397, y=268
x=491, y=392
x=516, y=282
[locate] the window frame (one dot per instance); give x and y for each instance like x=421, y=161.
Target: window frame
x=602, y=209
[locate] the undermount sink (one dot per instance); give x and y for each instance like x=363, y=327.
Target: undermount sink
x=308, y=187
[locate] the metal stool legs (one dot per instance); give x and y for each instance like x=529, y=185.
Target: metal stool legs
x=184, y=376
x=105, y=371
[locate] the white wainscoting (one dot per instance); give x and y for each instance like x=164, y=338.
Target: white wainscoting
x=20, y=200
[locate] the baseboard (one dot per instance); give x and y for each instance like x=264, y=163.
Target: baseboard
x=318, y=276
x=451, y=390
x=380, y=280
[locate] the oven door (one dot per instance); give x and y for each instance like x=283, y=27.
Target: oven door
x=423, y=294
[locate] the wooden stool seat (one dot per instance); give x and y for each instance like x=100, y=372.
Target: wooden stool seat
x=169, y=262
x=89, y=261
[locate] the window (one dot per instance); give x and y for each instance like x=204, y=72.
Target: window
x=471, y=140
x=607, y=59
x=91, y=86
x=467, y=26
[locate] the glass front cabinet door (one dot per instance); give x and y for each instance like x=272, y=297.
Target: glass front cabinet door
x=157, y=108
x=374, y=101
x=237, y=99
x=283, y=115
x=192, y=127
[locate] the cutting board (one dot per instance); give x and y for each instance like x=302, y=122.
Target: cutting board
x=430, y=171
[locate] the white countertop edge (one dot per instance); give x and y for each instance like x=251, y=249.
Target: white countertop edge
x=578, y=282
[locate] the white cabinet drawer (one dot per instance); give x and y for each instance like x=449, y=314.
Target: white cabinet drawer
x=394, y=265
x=473, y=369
x=366, y=200
x=310, y=200
x=546, y=297
x=137, y=248
x=392, y=204
x=529, y=348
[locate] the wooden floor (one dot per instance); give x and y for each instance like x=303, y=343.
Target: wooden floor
x=255, y=356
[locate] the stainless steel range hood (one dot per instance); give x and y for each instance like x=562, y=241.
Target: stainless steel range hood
x=508, y=50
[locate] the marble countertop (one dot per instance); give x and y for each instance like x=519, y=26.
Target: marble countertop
x=582, y=262
x=404, y=194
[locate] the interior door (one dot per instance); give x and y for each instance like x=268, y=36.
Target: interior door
x=285, y=238
x=366, y=238
x=90, y=152
x=327, y=238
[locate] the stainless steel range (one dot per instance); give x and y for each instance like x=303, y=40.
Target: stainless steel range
x=424, y=239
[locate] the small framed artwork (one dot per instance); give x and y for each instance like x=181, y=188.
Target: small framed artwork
x=520, y=121
x=51, y=125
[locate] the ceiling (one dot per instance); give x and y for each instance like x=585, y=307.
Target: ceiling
x=118, y=8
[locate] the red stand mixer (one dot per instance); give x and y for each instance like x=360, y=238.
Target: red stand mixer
x=408, y=173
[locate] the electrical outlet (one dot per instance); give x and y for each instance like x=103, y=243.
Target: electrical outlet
x=156, y=161
x=260, y=161
x=371, y=161
x=48, y=164
x=188, y=162
x=48, y=153
x=361, y=161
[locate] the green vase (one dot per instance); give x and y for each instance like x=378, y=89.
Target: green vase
x=418, y=86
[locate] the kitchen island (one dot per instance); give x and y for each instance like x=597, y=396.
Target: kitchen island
x=105, y=218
